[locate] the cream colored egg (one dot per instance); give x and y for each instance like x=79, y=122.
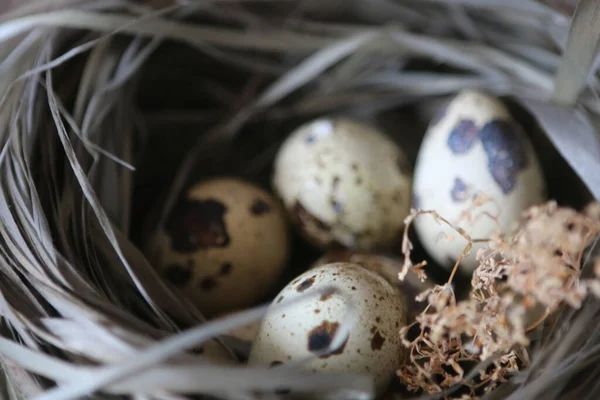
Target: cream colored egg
x=343, y=183
x=386, y=266
x=474, y=149
x=224, y=245
x=305, y=329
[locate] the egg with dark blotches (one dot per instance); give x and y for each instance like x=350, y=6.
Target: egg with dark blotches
x=388, y=267
x=478, y=169
x=308, y=329
x=224, y=245
x=344, y=184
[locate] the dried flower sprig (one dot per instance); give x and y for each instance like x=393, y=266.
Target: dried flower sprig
x=523, y=276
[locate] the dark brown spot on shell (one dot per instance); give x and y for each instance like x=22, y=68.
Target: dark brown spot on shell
x=197, y=224
x=305, y=284
x=279, y=299
x=225, y=268
x=337, y=206
x=275, y=363
x=326, y=296
x=317, y=311
x=354, y=167
x=373, y=329
x=353, y=287
x=208, y=283
x=377, y=341
x=178, y=274
x=260, y=207
x=377, y=319
x=320, y=338
x=335, y=183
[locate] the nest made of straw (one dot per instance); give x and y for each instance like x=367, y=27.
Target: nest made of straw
x=109, y=108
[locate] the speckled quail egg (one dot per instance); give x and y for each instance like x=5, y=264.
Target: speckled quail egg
x=224, y=245
x=386, y=266
x=473, y=150
x=304, y=329
x=344, y=183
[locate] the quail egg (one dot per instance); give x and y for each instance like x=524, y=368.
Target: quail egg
x=224, y=245
x=477, y=168
x=386, y=266
x=344, y=183
x=307, y=329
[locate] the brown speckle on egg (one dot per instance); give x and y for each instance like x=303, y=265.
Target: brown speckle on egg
x=326, y=296
x=208, y=283
x=335, y=183
x=337, y=206
x=397, y=197
x=178, y=274
x=260, y=207
x=280, y=299
x=275, y=363
x=225, y=268
x=307, y=283
x=197, y=224
x=377, y=341
x=320, y=338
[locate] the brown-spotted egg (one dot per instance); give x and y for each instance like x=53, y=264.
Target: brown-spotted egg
x=386, y=266
x=304, y=329
x=473, y=149
x=224, y=245
x=344, y=183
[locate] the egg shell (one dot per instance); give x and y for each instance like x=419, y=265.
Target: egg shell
x=473, y=147
x=224, y=245
x=344, y=183
x=373, y=346
x=388, y=267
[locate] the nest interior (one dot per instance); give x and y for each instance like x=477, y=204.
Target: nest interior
x=180, y=111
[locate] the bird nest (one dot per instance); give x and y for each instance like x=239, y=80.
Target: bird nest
x=110, y=110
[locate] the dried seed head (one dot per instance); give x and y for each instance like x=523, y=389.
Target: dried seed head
x=523, y=276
